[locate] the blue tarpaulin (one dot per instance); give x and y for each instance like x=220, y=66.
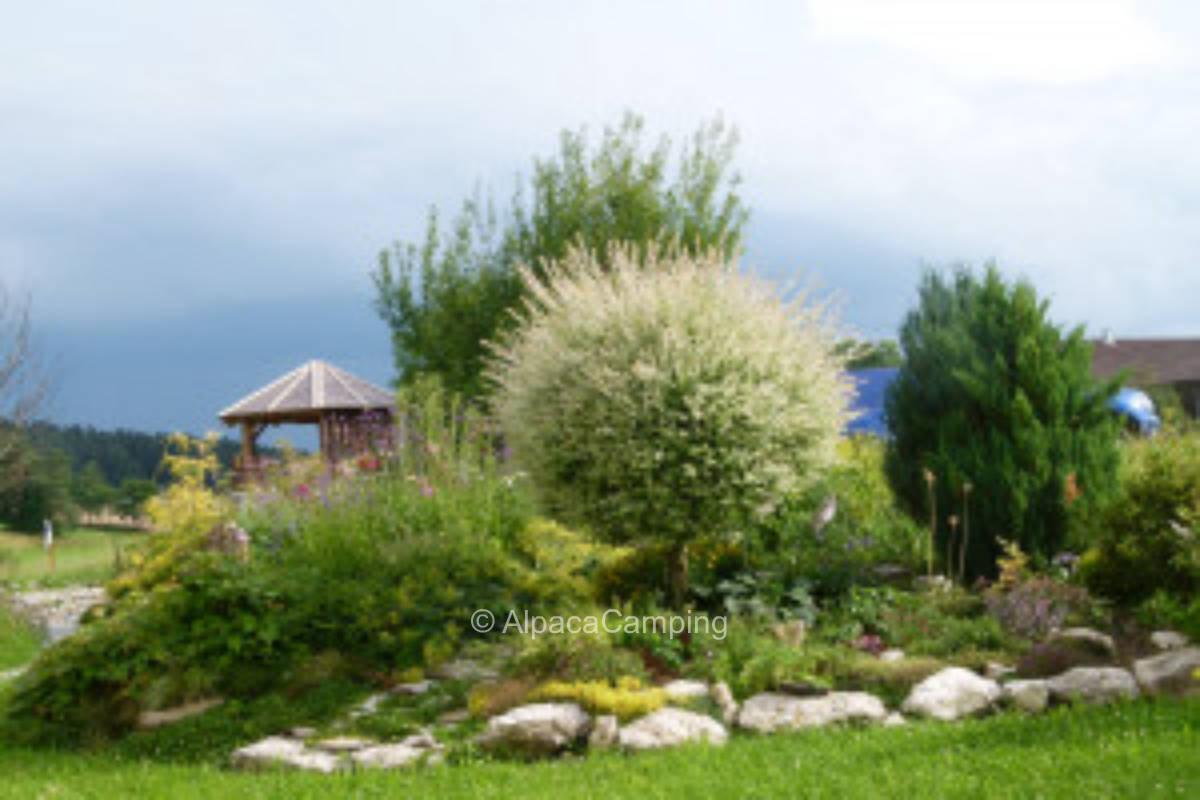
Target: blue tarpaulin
x=872, y=384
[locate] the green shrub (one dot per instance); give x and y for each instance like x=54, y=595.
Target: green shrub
x=1164, y=610
x=868, y=535
x=667, y=401
x=627, y=699
x=999, y=408
x=1148, y=537
x=382, y=570
x=1033, y=607
x=576, y=657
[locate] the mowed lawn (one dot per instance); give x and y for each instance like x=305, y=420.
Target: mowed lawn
x=81, y=555
x=1139, y=749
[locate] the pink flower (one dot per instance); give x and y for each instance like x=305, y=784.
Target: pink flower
x=303, y=491
x=426, y=490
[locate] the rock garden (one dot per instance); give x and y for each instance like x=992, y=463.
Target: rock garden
x=649, y=540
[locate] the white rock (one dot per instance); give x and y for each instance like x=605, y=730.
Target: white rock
x=1097, y=642
x=1093, y=684
x=604, y=732
x=465, y=669
x=996, y=671
x=343, y=744
x=894, y=720
x=723, y=697
x=303, y=732
x=1168, y=640
x=768, y=712
x=668, y=727
x=278, y=751
x=537, y=728
x=684, y=690
x=1170, y=672
x=416, y=687
x=388, y=756
x=892, y=654
x=1032, y=695
x=422, y=740
x=952, y=693
x=368, y=707
x=156, y=719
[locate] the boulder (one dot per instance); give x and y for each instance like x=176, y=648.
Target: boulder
x=416, y=687
x=1092, y=685
x=1171, y=672
x=465, y=669
x=1088, y=639
x=604, y=732
x=892, y=654
x=1168, y=640
x=422, y=741
x=683, y=691
x=1032, y=695
x=536, y=729
x=390, y=756
x=277, y=751
x=995, y=670
x=952, y=693
x=894, y=720
x=769, y=712
x=368, y=706
x=723, y=697
x=668, y=727
x=343, y=744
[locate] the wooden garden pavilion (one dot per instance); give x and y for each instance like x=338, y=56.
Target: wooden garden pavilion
x=353, y=414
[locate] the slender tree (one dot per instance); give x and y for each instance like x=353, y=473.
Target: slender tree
x=444, y=297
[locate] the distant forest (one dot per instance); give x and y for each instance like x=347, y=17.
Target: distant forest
x=120, y=455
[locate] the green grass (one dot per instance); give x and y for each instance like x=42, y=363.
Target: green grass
x=81, y=555
x=18, y=642
x=1134, y=749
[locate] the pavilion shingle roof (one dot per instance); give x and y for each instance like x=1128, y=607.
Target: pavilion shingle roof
x=308, y=390
x=1154, y=360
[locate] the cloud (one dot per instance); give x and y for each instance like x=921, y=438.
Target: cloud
x=1059, y=42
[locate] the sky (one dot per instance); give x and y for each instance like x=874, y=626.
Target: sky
x=194, y=195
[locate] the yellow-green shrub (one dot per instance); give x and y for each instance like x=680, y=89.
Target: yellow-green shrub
x=627, y=700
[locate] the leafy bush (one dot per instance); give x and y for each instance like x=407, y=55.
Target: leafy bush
x=576, y=657
x=1164, y=610
x=760, y=596
x=382, y=567
x=667, y=401
x=1032, y=608
x=942, y=624
x=999, y=408
x=868, y=535
x=1148, y=537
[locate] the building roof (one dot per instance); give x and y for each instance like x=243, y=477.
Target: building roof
x=1151, y=361
x=870, y=387
x=304, y=393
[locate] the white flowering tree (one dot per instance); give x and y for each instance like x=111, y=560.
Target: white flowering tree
x=659, y=401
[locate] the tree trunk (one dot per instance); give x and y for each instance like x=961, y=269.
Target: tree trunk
x=677, y=577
